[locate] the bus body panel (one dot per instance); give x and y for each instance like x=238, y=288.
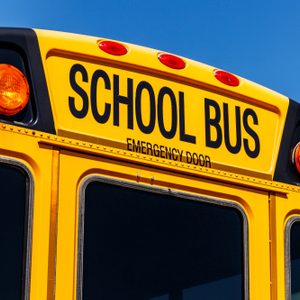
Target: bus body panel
x=253, y=204
x=108, y=141
x=132, y=103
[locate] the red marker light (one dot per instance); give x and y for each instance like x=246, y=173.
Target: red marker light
x=171, y=61
x=227, y=78
x=113, y=48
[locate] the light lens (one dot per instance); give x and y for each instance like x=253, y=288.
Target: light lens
x=171, y=61
x=113, y=48
x=296, y=157
x=14, y=90
x=227, y=78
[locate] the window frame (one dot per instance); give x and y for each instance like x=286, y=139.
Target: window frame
x=288, y=269
x=162, y=191
x=28, y=216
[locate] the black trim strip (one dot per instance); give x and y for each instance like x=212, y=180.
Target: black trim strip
x=26, y=40
x=285, y=171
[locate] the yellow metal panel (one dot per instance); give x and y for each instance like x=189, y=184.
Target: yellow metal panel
x=283, y=209
x=180, y=115
x=171, y=134
x=26, y=150
x=74, y=168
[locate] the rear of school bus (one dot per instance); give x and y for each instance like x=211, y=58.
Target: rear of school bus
x=129, y=173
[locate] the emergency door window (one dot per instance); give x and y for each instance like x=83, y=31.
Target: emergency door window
x=13, y=231
x=153, y=245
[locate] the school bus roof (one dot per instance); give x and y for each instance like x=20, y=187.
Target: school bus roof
x=142, y=58
x=131, y=100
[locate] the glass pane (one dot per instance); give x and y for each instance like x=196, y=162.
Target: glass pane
x=141, y=245
x=11, y=56
x=13, y=199
x=295, y=260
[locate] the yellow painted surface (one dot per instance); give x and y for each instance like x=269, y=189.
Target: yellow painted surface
x=180, y=115
x=26, y=151
x=266, y=275
x=76, y=168
x=266, y=214
x=84, y=147
x=284, y=208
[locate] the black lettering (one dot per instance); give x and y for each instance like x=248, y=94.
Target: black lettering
x=175, y=153
x=195, y=159
x=183, y=135
x=180, y=154
x=124, y=100
x=201, y=160
x=94, y=84
x=162, y=151
x=168, y=153
x=129, y=145
x=144, y=148
x=188, y=157
x=255, y=152
x=212, y=122
x=207, y=161
x=78, y=113
x=156, y=150
x=237, y=147
x=161, y=96
x=136, y=146
x=143, y=85
x=149, y=149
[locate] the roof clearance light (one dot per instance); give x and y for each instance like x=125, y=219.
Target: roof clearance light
x=227, y=78
x=113, y=48
x=171, y=61
x=296, y=157
x=14, y=90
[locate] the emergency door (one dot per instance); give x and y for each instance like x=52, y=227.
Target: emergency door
x=128, y=231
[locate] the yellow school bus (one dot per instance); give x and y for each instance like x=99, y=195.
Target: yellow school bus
x=130, y=173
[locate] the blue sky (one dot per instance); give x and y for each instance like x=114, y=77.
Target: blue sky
x=256, y=39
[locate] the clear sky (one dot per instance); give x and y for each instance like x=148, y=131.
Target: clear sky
x=256, y=39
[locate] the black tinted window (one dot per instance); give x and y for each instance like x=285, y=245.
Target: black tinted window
x=295, y=260
x=13, y=231
x=141, y=245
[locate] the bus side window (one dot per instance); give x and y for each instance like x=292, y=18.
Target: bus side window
x=295, y=260
x=14, y=231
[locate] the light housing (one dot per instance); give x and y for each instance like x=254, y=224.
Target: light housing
x=171, y=61
x=226, y=78
x=14, y=90
x=296, y=157
x=113, y=48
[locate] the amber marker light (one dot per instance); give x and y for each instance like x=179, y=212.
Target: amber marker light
x=14, y=90
x=296, y=157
